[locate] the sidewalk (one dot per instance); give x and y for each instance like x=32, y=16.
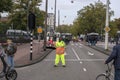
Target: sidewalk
x=22, y=56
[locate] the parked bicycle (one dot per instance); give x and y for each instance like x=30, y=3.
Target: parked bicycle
x=107, y=75
x=9, y=74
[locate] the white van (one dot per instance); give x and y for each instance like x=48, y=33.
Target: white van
x=16, y=34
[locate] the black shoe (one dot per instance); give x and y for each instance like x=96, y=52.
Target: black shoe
x=55, y=65
x=63, y=66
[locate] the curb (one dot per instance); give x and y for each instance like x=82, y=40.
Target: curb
x=35, y=61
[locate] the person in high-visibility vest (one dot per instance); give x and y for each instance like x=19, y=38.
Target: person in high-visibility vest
x=60, y=50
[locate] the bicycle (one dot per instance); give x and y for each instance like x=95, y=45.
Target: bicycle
x=107, y=75
x=9, y=74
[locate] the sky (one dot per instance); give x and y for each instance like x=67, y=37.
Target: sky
x=69, y=9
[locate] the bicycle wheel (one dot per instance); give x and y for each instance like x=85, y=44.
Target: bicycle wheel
x=11, y=75
x=102, y=77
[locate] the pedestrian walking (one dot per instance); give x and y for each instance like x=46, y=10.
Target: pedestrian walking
x=2, y=55
x=10, y=51
x=60, y=50
x=115, y=57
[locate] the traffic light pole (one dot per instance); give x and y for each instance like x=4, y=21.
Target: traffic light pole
x=31, y=44
x=31, y=24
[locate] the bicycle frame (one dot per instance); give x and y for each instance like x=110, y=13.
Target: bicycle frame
x=107, y=75
x=108, y=71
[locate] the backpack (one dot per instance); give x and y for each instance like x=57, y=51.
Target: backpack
x=12, y=49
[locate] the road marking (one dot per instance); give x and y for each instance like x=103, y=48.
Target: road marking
x=65, y=53
x=84, y=69
x=92, y=59
x=78, y=60
x=89, y=53
x=66, y=60
x=80, y=46
x=76, y=54
x=76, y=44
x=81, y=62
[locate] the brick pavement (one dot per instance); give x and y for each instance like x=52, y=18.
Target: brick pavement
x=22, y=56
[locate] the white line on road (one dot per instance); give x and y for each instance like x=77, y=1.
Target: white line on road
x=84, y=69
x=89, y=53
x=80, y=46
x=76, y=44
x=92, y=59
x=66, y=60
x=81, y=62
x=78, y=60
x=66, y=54
x=76, y=54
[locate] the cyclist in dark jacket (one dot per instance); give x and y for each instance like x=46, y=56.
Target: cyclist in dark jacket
x=115, y=56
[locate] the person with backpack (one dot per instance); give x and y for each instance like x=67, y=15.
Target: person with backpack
x=10, y=51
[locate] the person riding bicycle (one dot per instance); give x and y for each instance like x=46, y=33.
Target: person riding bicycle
x=115, y=56
x=10, y=51
x=2, y=54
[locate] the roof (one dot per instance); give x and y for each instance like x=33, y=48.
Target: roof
x=93, y=33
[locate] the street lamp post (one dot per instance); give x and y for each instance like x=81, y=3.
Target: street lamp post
x=45, y=30
x=58, y=18
x=107, y=25
x=55, y=15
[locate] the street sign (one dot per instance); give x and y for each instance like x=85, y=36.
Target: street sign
x=107, y=29
x=39, y=30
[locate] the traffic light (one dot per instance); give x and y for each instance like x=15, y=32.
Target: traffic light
x=31, y=21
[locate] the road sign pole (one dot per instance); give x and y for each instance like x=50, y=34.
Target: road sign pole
x=107, y=25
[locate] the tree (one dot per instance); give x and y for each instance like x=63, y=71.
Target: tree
x=18, y=16
x=91, y=18
x=114, y=26
x=63, y=29
x=5, y=5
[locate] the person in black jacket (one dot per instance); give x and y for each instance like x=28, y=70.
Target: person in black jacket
x=115, y=57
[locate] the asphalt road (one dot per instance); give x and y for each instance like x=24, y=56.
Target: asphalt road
x=82, y=63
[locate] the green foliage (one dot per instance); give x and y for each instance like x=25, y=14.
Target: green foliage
x=114, y=26
x=18, y=16
x=3, y=27
x=5, y=5
x=64, y=29
x=91, y=19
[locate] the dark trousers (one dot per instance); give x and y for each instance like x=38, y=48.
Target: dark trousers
x=4, y=63
x=117, y=74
